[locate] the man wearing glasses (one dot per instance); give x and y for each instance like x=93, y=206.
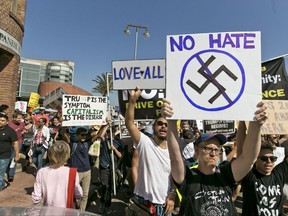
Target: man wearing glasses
x=153, y=185
x=263, y=186
x=208, y=189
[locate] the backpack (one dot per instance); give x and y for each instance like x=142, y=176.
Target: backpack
x=73, y=148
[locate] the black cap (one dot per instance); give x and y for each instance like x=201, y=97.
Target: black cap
x=80, y=130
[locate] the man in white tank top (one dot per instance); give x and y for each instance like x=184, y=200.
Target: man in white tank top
x=153, y=185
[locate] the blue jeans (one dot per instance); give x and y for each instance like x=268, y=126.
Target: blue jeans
x=3, y=166
x=37, y=157
x=12, y=171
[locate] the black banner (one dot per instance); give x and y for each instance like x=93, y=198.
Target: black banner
x=148, y=106
x=274, y=80
x=216, y=126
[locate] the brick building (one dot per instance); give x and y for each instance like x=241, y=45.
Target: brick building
x=12, y=17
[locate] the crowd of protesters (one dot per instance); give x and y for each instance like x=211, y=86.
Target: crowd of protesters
x=162, y=165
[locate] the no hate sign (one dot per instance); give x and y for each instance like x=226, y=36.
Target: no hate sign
x=148, y=74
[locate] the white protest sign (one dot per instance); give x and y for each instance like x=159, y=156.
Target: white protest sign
x=83, y=110
x=147, y=74
x=21, y=105
x=214, y=76
x=280, y=153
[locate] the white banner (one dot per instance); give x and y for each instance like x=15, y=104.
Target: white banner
x=215, y=76
x=147, y=74
x=84, y=110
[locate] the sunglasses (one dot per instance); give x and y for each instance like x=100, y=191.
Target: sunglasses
x=160, y=123
x=265, y=158
x=83, y=135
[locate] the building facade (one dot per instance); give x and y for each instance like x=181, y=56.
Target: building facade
x=12, y=18
x=35, y=71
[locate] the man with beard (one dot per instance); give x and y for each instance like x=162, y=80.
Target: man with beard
x=208, y=189
x=153, y=185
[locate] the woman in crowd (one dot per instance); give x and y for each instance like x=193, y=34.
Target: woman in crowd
x=52, y=181
x=40, y=143
x=28, y=136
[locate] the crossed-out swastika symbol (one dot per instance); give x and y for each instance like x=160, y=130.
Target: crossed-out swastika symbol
x=206, y=77
x=211, y=79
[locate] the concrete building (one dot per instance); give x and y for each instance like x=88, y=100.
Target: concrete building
x=35, y=71
x=12, y=17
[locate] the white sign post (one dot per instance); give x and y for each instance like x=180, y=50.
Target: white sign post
x=215, y=76
x=148, y=74
x=84, y=110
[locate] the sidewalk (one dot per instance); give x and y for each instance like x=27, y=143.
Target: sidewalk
x=19, y=194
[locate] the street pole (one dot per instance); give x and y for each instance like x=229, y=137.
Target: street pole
x=111, y=136
x=146, y=35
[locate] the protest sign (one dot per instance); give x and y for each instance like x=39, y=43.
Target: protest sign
x=33, y=100
x=218, y=126
x=148, y=105
x=214, y=76
x=21, y=105
x=147, y=74
x=83, y=110
x=277, y=122
x=274, y=80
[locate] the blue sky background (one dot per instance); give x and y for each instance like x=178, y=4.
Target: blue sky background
x=90, y=32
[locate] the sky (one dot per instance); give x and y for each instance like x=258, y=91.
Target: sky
x=91, y=32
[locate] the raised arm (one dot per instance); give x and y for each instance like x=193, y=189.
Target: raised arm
x=129, y=115
x=251, y=147
x=240, y=137
x=177, y=163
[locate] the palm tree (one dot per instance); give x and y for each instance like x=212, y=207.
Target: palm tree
x=101, y=84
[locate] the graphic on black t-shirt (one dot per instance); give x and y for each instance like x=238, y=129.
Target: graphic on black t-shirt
x=269, y=196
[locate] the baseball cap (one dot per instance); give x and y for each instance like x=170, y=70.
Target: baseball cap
x=207, y=136
x=80, y=130
x=188, y=136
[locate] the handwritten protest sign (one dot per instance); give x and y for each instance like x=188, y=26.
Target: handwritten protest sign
x=214, y=76
x=34, y=99
x=21, y=105
x=277, y=122
x=148, y=74
x=83, y=110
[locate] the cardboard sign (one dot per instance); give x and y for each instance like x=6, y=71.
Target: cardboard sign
x=277, y=122
x=34, y=99
x=84, y=110
x=147, y=74
x=21, y=105
x=214, y=76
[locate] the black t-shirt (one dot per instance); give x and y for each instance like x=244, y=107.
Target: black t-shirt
x=7, y=137
x=208, y=194
x=262, y=194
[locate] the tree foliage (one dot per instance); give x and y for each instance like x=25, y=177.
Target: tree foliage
x=101, y=84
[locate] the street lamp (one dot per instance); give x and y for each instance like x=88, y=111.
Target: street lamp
x=146, y=34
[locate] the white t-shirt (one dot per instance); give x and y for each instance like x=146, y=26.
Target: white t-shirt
x=154, y=171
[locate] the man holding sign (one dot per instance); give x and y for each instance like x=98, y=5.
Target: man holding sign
x=153, y=185
x=208, y=189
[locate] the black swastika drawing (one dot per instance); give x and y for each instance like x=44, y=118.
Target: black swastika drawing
x=211, y=78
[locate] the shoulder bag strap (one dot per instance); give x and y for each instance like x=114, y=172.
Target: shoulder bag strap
x=71, y=185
